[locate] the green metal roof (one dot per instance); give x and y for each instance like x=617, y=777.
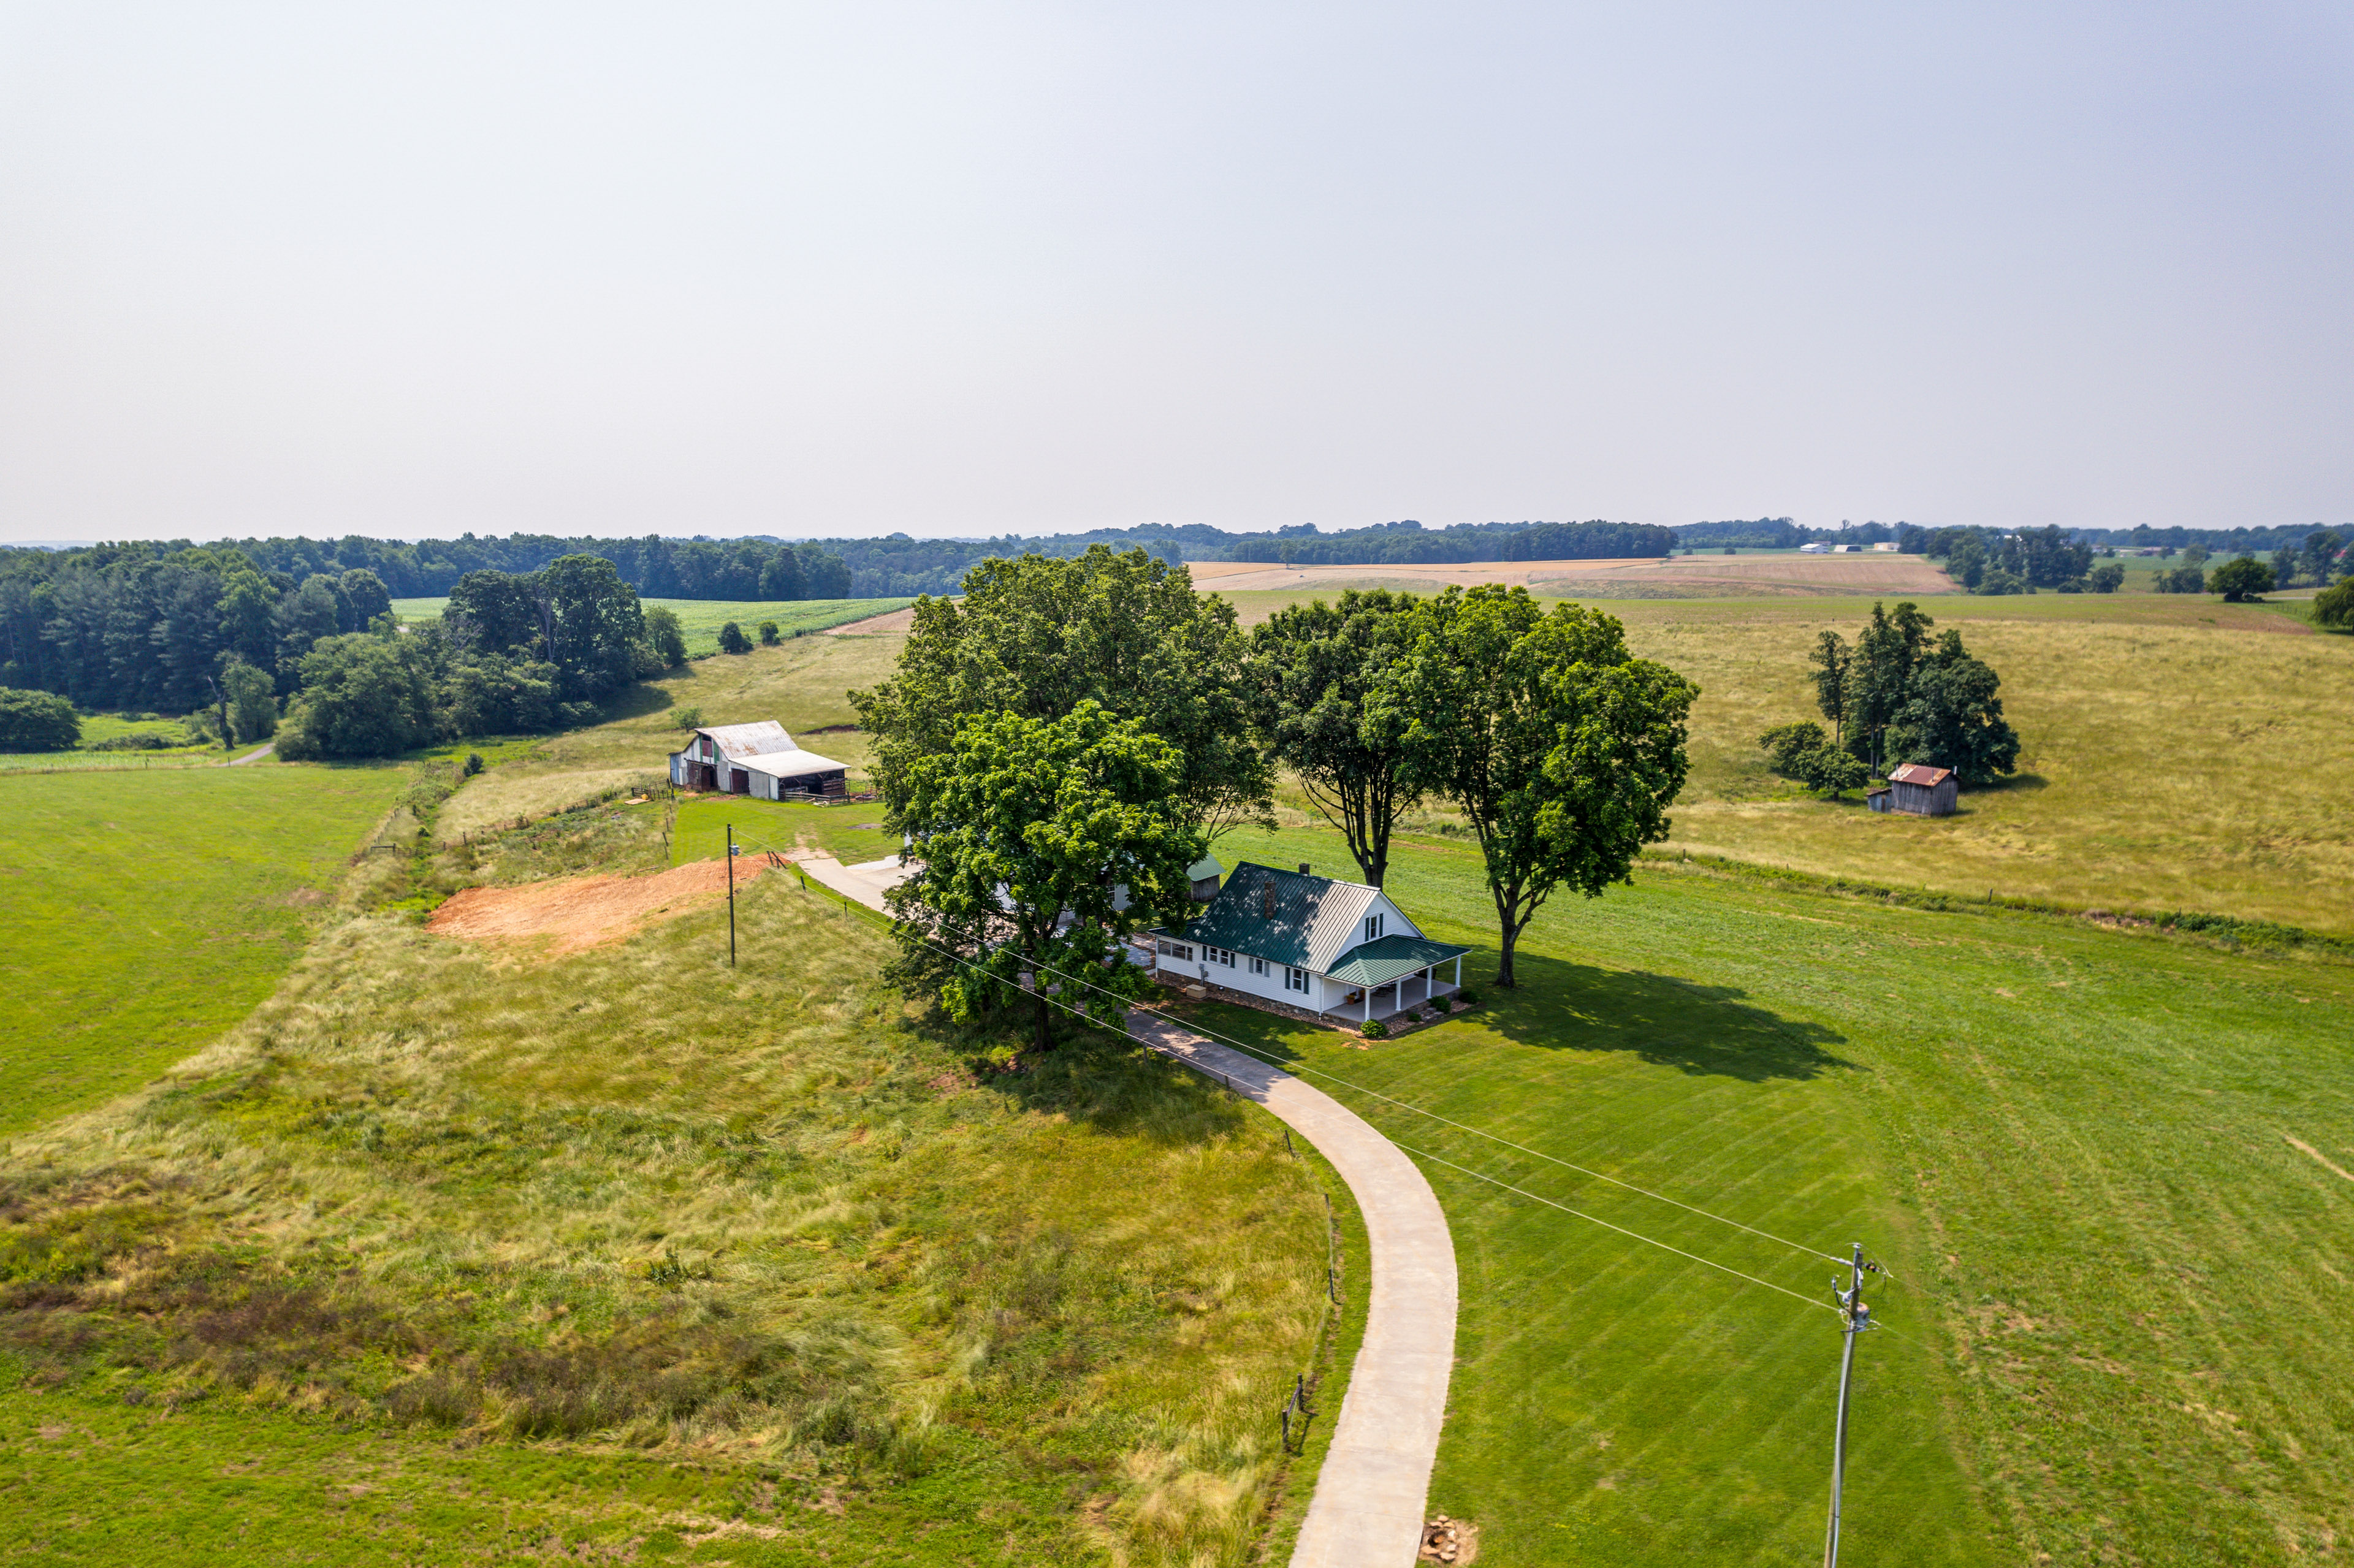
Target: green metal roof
x=1279, y=915
x=1239, y=917
x=1203, y=869
x=1386, y=958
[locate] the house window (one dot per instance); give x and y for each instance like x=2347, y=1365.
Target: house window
x=1175, y=950
x=1218, y=955
x=1373, y=927
x=1295, y=980
x=1258, y=965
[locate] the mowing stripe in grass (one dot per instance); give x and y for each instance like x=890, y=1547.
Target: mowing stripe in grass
x=1403, y=1105
x=1606, y=1224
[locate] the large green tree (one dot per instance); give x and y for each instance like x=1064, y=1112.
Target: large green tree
x=1880, y=676
x=252, y=697
x=2241, y=579
x=1325, y=693
x=1562, y=750
x=1831, y=658
x=1026, y=829
x=1952, y=718
x=362, y=695
x=591, y=624
x=1037, y=637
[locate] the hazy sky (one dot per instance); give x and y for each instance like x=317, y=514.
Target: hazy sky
x=848, y=268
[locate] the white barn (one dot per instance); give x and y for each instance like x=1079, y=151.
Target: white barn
x=759, y=759
x=1313, y=942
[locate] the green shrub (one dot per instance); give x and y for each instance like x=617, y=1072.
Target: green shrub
x=769, y=636
x=2106, y=578
x=665, y=636
x=733, y=640
x=1375, y=1029
x=37, y=721
x=686, y=718
x=1786, y=743
x=1468, y=997
x=2335, y=608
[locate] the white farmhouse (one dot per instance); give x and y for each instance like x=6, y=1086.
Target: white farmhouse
x=1312, y=941
x=758, y=759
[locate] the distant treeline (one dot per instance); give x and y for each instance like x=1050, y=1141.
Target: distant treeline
x=656, y=568
x=1911, y=539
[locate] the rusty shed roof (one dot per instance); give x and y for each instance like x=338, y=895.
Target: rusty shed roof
x=1920, y=773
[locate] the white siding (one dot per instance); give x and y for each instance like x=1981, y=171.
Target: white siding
x=1201, y=966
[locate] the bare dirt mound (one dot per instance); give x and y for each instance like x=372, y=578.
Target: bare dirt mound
x=585, y=911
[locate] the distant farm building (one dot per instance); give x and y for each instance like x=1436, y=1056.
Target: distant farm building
x=1919, y=789
x=759, y=759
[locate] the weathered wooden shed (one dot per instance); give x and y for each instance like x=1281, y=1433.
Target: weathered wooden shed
x=1919, y=789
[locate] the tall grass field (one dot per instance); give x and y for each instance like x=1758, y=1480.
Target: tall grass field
x=147, y=912
x=430, y=1249
x=2178, y=753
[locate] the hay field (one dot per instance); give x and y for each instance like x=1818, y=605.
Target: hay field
x=1769, y=573
x=2176, y=755
x=2179, y=753
x=147, y=912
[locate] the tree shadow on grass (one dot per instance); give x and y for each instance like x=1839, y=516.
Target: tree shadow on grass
x=1702, y=1030
x=633, y=701
x=1093, y=1075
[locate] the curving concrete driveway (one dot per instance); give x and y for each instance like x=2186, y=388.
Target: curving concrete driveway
x=1367, y=1510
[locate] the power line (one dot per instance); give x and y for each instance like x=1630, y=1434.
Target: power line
x=1506, y=1186
x=1404, y=1105
x=1606, y=1224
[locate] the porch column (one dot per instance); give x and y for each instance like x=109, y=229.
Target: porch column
x=1458, y=971
x=1368, y=995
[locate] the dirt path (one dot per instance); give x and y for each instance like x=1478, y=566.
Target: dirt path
x=254, y=756
x=582, y=912
x=897, y=620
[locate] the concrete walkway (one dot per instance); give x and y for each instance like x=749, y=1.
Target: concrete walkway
x=1367, y=1511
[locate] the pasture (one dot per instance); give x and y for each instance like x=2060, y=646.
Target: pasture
x=701, y=618
x=852, y=1285
x=147, y=912
x=2178, y=753
x=2106, y=1170
x=803, y=685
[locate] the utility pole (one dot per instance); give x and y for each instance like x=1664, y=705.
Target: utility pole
x=1854, y=1319
x=731, y=916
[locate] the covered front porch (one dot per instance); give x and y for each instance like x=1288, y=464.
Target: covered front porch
x=1388, y=976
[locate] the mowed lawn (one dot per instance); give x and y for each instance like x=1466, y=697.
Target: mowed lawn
x=2119, y=1334
x=147, y=912
x=2177, y=752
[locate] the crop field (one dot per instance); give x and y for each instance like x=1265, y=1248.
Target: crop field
x=701, y=618
x=147, y=912
x=2178, y=753
x=855, y=1284
x=2106, y=1170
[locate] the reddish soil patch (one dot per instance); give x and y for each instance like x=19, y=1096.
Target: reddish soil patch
x=585, y=911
